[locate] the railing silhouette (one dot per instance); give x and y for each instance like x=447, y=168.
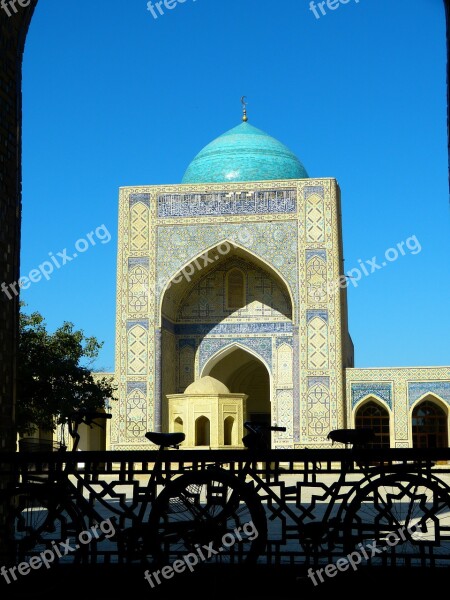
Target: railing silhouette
x=308, y=507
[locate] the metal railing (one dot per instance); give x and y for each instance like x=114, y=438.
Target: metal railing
x=312, y=506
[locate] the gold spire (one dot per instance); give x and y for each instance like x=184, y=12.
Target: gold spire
x=244, y=110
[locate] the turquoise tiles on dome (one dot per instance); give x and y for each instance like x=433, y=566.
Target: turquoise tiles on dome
x=244, y=153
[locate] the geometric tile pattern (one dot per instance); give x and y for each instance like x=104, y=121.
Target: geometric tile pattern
x=318, y=409
x=139, y=231
x=282, y=225
x=418, y=389
x=315, y=222
x=261, y=346
x=317, y=279
x=275, y=243
x=137, y=351
x=381, y=390
x=407, y=385
x=284, y=414
x=284, y=366
x=317, y=344
x=227, y=203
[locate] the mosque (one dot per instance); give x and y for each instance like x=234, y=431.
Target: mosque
x=227, y=310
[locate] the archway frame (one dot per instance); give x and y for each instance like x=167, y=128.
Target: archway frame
x=242, y=252
x=229, y=349
x=430, y=397
x=382, y=404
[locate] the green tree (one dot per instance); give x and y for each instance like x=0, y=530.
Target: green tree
x=54, y=376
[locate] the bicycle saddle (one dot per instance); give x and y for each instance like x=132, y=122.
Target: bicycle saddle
x=168, y=440
x=357, y=437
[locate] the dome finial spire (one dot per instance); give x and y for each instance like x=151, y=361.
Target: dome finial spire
x=244, y=109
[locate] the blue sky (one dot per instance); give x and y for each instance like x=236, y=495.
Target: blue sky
x=114, y=97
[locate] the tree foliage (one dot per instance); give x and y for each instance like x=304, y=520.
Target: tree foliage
x=53, y=374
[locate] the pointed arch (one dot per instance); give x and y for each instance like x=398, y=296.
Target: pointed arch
x=284, y=365
x=223, y=352
x=372, y=397
x=229, y=432
x=235, y=291
x=202, y=431
x=373, y=414
x=429, y=422
x=196, y=267
x=433, y=397
x=178, y=425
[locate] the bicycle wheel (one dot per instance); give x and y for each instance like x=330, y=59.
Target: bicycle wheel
x=400, y=520
x=39, y=523
x=211, y=514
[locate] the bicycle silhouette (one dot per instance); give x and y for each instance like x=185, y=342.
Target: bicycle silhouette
x=211, y=507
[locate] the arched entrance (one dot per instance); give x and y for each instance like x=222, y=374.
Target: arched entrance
x=231, y=320
x=372, y=415
x=243, y=372
x=429, y=426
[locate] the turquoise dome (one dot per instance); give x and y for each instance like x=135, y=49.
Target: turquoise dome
x=244, y=153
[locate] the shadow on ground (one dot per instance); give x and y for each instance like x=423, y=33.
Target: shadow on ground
x=244, y=583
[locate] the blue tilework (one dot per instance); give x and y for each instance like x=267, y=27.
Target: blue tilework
x=142, y=323
x=136, y=385
x=260, y=346
x=312, y=253
x=382, y=391
x=144, y=198
x=226, y=328
x=227, y=203
x=312, y=381
x=417, y=389
x=312, y=314
x=141, y=261
x=244, y=153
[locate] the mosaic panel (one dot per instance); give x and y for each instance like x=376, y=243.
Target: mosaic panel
x=284, y=405
x=206, y=301
x=136, y=423
x=261, y=346
x=418, y=389
x=138, y=281
x=316, y=279
x=315, y=219
x=284, y=365
x=380, y=390
x=274, y=243
x=139, y=227
x=227, y=203
x=319, y=409
x=137, y=350
x=187, y=367
x=318, y=344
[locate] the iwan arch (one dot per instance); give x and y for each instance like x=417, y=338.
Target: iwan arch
x=224, y=282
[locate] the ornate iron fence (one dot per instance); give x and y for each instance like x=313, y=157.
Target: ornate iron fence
x=307, y=507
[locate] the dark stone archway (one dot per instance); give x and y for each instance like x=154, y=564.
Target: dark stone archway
x=13, y=30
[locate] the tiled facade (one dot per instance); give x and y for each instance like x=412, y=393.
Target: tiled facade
x=177, y=244
x=399, y=391
x=172, y=321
